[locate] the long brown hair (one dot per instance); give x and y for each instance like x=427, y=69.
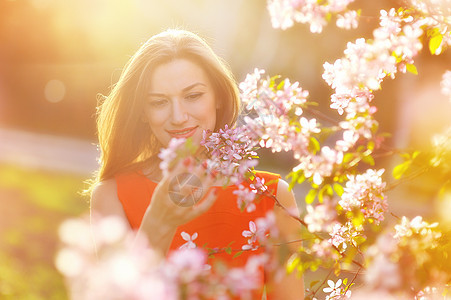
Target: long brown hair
x=126, y=142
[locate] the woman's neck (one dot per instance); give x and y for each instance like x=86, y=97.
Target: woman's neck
x=152, y=170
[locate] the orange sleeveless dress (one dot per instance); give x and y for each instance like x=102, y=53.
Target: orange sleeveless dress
x=218, y=228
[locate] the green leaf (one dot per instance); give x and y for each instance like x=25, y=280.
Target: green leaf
x=412, y=69
x=228, y=250
x=359, y=239
x=435, y=42
x=400, y=169
x=347, y=157
x=280, y=85
x=368, y=159
x=358, y=220
x=415, y=154
x=338, y=189
x=320, y=194
x=301, y=179
x=292, y=263
x=325, y=189
x=238, y=254
x=314, y=145
x=313, y=283
x=311, y=195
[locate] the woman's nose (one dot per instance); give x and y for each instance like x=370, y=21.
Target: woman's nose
x=179, y=114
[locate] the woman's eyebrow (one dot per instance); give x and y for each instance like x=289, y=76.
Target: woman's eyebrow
x=156, y=95
x=192, y=86
x=183, y=90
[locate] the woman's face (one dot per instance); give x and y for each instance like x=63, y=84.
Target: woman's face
x=181, y=102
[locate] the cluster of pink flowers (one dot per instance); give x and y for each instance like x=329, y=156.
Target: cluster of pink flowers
x=113, y=268
x=281, y=126
x=272, y=127
x=365, y=192
x=170, y=155
x=343, y=235
x=416, y=226
x=435, y=14
x=123, y=266
x=397, y=258
x=231, y=153
x=319, y=166
x=393, y=47
x=284, y=13
x=261, y=232
x=320, y=217
x=323, y=250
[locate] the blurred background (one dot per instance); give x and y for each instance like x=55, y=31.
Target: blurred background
x=56, y=57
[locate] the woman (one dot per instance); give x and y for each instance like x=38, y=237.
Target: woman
x=176, y=87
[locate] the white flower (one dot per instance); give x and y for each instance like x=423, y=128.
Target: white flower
x=189, y=240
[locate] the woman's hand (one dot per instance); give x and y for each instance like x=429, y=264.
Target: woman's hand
x=182, y=195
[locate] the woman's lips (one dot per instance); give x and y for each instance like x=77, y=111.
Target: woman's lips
x=183, y=133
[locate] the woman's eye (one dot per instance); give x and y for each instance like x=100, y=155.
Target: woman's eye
x=194, y=96
x=157, y=102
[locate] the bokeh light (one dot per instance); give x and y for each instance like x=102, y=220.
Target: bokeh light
x=54, y=91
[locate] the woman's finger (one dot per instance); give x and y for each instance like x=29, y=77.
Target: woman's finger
x=206, y=202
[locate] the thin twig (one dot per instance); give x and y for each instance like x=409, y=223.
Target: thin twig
x=324, y=281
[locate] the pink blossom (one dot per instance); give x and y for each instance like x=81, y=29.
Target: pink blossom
x=323, y=249
x=335, y=290
x=320, y=217
x=189, y=240
x=383, y=273
x=267, y=227
x=319, y=166
x=246, y=198
x=365, y=192
x=348, y=20
x=390, y=22
x=231, y=153
x=408, y=44
x=261, y=232
x=416, y=226
x=342, y=235
x=250, y=87
x=187, y=264
x=169, y=154
x=284, y=13
x=242, y=281
x=251, y=234
x=350, y=138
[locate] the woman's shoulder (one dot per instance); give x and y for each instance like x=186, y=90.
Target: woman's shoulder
x=104, y=198
x=104, y=188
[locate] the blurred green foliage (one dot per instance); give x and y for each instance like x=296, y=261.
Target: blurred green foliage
x=33, y=205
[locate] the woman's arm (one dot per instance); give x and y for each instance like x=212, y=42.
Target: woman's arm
x=289, y=286
x=105, y=202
